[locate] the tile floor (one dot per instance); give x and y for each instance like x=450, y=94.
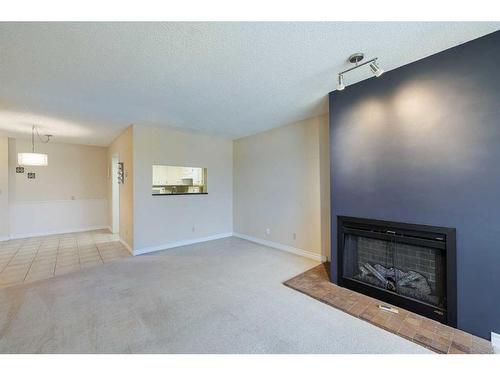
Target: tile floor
x=38, y=258
x=418, y=329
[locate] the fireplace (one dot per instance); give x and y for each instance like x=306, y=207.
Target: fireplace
x=408, y=265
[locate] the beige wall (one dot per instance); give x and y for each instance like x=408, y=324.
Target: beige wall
x=123, y=148
x=4, y=189
x=279, y=180
x=73, y=172
x=67, y=195
x=167, y=220
x=324, y=184
x=281, y=183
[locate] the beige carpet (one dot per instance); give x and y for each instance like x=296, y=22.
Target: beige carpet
x=223, y=296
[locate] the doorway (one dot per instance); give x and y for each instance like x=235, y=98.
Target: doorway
x=115, y=195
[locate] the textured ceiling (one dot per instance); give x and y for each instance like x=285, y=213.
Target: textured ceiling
x=85, y=82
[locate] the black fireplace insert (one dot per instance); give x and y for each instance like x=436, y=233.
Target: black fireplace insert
x=408, y=265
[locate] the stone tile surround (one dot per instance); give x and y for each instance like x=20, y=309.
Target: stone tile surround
x=433, y=335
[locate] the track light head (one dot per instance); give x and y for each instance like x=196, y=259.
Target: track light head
x=341, y=84
x=376, y=70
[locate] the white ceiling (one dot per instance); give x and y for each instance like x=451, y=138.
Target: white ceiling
x=85, y=82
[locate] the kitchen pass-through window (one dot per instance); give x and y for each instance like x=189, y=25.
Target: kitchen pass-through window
x=172, y=180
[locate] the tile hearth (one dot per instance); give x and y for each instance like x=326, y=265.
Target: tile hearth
x=423, y=331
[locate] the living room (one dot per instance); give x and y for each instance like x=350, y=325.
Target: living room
x=249, y=187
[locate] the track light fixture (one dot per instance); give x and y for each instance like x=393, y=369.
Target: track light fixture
x=355, y=59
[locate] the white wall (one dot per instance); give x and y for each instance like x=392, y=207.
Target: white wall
x=122, y=147
x=67, y=195
x=281, y=183
x=164, y=221
x=4, y=189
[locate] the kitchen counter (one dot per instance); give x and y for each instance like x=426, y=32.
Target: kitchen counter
x=156, y=194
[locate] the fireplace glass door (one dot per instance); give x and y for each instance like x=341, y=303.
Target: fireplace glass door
x=398, y=265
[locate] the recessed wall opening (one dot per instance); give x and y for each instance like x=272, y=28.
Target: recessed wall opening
x=177, y=180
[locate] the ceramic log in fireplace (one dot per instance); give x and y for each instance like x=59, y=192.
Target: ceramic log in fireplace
x=408, y=265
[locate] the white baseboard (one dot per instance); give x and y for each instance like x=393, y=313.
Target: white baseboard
x=279, y=246
x=50, y=233
x=127, y=246
x=495, y=342
x=170, y=245
x=4, y=238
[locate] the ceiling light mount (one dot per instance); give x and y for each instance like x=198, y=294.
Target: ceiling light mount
x=355, y=59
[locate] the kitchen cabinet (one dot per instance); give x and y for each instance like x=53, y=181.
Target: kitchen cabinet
x=195, y=173
x=160, y=174
x=170, y=175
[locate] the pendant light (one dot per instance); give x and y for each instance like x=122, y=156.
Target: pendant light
x=32, y=158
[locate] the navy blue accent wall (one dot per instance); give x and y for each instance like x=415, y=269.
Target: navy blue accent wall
x=421, y=144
